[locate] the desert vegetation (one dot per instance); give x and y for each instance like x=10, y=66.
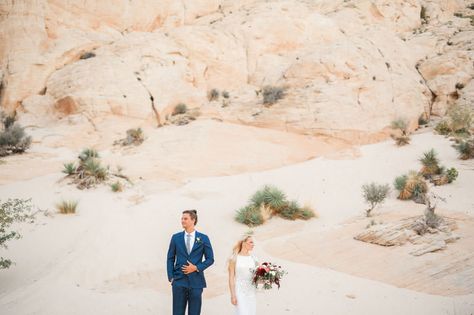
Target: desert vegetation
x=271, y=201
x=402, y=137
x=434, y=172
x=457, y=123
x=133, y=137
x=89, y=172
x=67, y=206
x=374, y=194
x=13, y=139
x=271, y=94
x=12, y=211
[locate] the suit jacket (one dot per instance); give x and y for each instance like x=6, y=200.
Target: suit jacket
x=178, y=257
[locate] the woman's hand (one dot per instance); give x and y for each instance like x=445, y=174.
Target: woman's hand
x=233, y=300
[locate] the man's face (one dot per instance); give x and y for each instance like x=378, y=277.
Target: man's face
x=186, y=221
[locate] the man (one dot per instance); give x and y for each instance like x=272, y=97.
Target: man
x=185, y=265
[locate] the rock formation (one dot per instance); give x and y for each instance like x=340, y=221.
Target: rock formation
x=349, y=67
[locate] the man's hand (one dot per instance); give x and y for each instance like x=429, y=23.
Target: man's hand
x=190, y=268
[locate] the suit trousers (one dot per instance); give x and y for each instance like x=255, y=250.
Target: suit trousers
x=190, y=297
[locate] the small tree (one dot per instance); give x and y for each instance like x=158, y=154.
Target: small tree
x=374, y=194
x=12, y=210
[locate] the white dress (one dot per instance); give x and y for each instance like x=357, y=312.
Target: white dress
x=244, y=289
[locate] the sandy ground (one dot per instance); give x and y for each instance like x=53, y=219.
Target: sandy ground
x=109, y=258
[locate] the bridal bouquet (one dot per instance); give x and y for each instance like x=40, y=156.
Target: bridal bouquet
x=267, y=274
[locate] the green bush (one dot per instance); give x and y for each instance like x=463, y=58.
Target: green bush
x=93, y=167
x=69, y=168
x=269, y=196
x=401, y=125
x=13, y=139
x=273, y=200
x=88, y=153
x=400, y=182
x=452, y=174
x=249, y=215
x=12, y=211
x=374, y=194
x=116, y=186
x=271, y=94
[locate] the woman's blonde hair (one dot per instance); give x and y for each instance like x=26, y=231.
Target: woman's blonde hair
x=238, y=247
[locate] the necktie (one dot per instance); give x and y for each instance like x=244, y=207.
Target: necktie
x=188, y=243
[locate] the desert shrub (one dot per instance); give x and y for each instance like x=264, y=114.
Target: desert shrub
x=93, y=168
x=401, y=125
x=13, y=138
x=249, y=215
x=88, y=153
x=225, y=94
x=443, y=128
x=69, y=168
x=180, y=109
x=116, y=186
x=213, y=95
x=271, y=94
x=460, y=118
x=411, y=186
x=400, y=182
x=269, y=196
x=90, y=170
x=272, y=200
x=465, y=149
x=452, y=174
x=430, y=163
x=12, y=211
x=67, y=207
x=374, y=194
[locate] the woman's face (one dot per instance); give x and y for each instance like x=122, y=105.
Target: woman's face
x=248, y=244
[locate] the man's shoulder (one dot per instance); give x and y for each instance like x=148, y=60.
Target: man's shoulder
x=177, y=234
x=202, y=235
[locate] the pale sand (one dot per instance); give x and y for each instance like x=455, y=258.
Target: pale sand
x=109, y=258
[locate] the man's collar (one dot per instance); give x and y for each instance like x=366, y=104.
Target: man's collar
x=193, y=233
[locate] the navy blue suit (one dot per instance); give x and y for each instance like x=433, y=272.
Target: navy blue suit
x=187, y=289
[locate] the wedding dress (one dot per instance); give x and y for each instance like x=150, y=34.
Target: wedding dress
x=244, y=289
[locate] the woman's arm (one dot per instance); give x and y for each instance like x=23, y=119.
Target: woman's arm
x=233, y=298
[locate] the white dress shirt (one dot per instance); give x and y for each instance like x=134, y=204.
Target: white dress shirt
x=193, y=238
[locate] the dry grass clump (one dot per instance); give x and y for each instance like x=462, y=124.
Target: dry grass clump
x=67, y=206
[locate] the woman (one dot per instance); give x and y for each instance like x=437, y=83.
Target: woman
x=241, y=264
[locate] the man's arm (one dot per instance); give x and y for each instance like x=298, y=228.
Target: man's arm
x=170, y=260
x=208, y=256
